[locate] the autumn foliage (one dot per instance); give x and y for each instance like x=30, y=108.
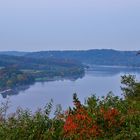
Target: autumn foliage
x=81, y=123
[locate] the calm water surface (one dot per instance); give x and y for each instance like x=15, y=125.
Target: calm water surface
x=99, y=81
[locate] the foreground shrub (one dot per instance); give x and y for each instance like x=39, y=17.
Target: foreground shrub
x=23, y=125
x=93, y=120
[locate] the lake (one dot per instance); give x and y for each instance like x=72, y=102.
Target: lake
x=98, y=80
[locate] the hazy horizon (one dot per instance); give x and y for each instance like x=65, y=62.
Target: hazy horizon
x=67, y=50
x=33, y=25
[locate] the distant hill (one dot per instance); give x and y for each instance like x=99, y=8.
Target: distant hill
x=94, y=57
x=43, y=67
x=13, y=53
x=89, y=57
x=24, y=62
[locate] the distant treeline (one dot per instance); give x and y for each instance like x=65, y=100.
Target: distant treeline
x=94, y=57
x=24, y=62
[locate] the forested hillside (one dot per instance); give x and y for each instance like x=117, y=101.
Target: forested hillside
x=23, y=62
x=95, y=57
x=40, y=69
x=13, y=53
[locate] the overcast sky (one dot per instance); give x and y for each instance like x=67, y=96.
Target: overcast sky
x=34, y=25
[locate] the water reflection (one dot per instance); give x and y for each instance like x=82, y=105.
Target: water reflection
x=98, y=80
x=16, y=91
x=106, y=71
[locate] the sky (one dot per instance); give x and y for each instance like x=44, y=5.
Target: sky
x=38, y=25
